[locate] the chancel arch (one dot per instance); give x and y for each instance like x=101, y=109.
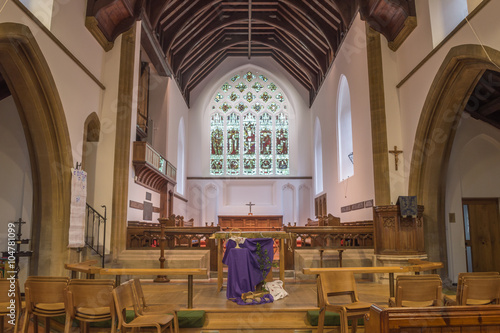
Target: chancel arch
x=443, y=108
x=23, y=66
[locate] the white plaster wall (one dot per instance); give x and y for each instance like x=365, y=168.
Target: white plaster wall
x=79, y=94
x=413, y=93
x=472, y=173
x=16, y=185
x=209, y=198
x=300, y=118
x=351, y=61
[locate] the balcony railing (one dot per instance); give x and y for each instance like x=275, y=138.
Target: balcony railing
x=151, y=168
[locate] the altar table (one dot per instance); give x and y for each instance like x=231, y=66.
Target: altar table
x=220, y=236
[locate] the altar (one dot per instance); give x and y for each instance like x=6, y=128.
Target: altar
x=220, y=236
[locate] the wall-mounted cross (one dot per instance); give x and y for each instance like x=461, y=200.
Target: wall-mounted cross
x=250, y=204
x=396, y=153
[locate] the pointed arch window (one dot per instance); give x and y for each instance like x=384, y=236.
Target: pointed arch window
x=249, y=128
x=344, y=126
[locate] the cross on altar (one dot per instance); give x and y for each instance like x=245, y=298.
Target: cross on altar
x=396, y=153
x=250, y=204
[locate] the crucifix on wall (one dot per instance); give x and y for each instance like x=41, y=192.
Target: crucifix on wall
x=396, y=153
x=250, y=204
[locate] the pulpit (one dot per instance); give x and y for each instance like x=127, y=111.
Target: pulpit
x=397, y=234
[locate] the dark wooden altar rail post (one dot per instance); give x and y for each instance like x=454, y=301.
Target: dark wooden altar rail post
x=162, y=278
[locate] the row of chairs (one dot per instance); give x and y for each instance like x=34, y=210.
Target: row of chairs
x=411, y=291
x=477, y=288
x=86, y=301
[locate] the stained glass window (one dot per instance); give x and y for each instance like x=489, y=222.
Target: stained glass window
x=266, y=144
x=249, y=127
x=233, y=144
x=282, y=167
x=249, y=156
x=217, y=144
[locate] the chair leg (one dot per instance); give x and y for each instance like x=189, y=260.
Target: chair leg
x=344, y=324
x=26, y=322
x=47, y=324
x=1, y=324
x=176, y=322
x=67, y=324
x=354, y=324
x=321, y=320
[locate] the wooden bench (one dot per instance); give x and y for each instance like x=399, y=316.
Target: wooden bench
x=433, y=319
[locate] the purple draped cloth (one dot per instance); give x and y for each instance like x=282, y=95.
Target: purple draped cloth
x=244, y=271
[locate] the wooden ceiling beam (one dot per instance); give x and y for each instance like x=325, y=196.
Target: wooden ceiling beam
x=286, y=24
x=309, y=22
x=283, y=60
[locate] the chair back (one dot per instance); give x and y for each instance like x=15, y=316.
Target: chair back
x=141, y=299
x=43, y=290
x=336, y=284
x=462, y=275
x=89, y=294
x=419, y=290
x=6, y=298
x=124, y=297
x=480, y=290
x=6, y=295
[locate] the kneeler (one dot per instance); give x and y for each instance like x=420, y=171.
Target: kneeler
x=244, y=271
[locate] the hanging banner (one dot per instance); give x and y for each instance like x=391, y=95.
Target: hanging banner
x=77, y=209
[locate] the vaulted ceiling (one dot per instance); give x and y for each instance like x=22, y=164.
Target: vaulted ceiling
x=189, y=39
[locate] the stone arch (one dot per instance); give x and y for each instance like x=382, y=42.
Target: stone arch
x=30, y=81
x=455, y=80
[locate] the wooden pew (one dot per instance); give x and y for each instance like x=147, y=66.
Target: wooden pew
x=433, y=319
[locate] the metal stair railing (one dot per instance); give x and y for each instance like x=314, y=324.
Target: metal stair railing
x=95, y=231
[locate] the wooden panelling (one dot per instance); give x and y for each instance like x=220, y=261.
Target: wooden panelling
x=251, y=222
x=434, y=319
x=395, y=234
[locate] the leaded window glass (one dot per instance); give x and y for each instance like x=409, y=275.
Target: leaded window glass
x=217, y=144
x=282, y=159
x=233, y=144
x=249, y=127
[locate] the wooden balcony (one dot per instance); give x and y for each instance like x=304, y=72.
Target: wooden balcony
x=151, y=169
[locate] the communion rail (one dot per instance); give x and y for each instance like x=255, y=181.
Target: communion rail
x=355, y=235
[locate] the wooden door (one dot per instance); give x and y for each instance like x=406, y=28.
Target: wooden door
x=482, y=234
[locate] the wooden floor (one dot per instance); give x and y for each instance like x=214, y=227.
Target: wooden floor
x=285, y=315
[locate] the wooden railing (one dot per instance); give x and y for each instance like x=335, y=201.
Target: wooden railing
x=151, y=168
x=356, y=235
x=146, y=236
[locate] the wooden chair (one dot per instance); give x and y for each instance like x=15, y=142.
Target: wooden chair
x=455, y=299
x=333, y=284
x=417, y=291
x=6, y=295
x=480, y=290
x=145, y=309
x=44, y=298
x=89, y=301
x=124, y=297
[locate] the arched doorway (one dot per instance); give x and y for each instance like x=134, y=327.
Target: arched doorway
x=29, y=79
x=456, y=78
